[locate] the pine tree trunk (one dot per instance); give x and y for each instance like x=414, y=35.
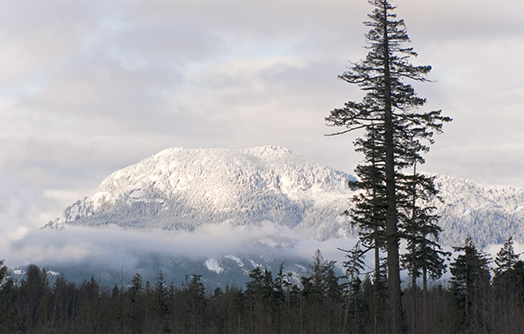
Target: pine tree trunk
x=425, y=300
x=414, y=300
x=397, y=325
x=377, y=265
x=414, y=264
x=397, y=317
x=376, y=287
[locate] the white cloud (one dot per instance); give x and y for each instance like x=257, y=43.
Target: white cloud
x=111, y=246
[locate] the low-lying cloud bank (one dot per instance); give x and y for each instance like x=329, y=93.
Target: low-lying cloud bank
x=112, y=247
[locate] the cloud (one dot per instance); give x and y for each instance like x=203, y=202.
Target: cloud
x=111, y=247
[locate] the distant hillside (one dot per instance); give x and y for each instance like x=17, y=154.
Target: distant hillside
x=488, y=214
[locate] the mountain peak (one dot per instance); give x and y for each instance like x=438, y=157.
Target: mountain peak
x=181, y=188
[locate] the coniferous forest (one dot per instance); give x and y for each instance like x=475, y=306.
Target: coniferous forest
x=483, y=295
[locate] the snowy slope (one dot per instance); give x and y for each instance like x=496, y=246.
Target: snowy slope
x=181, y=189
x=488, y=214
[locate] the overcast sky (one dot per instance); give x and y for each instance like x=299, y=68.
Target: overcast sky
x=88, y=87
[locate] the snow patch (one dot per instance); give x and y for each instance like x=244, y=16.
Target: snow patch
x=214, y=265
x=236, y=259
x=255, y=265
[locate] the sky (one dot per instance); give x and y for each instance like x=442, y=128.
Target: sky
x=89, y=87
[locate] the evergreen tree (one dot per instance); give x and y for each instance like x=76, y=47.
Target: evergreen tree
x=90, y=289
x=34, y=297
x=322, y=295
x=89, y=312
x=196, y=303
x=7, y=300
x=59, y=297
x=508, y=289
x=149, y=305
x=354, y=265
x=3, y=273
x=506, y=258
x=470, y=287
x=394, y=131
x=369, y=210
x=425, y=257
x=258, y=299
x=509, y=276
x=282, y=299
x=134, y=313
x=137, y=286
x=160, y=306
x=322, y=285
x=226, y=310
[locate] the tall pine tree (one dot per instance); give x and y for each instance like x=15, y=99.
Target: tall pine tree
x=508, y=289
x=392, y=141
x=470, y=286
x=424, y=256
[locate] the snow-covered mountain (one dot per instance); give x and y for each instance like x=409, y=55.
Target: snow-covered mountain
x=182, y=189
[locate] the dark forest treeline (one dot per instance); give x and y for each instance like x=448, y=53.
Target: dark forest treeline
x=478, y=300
